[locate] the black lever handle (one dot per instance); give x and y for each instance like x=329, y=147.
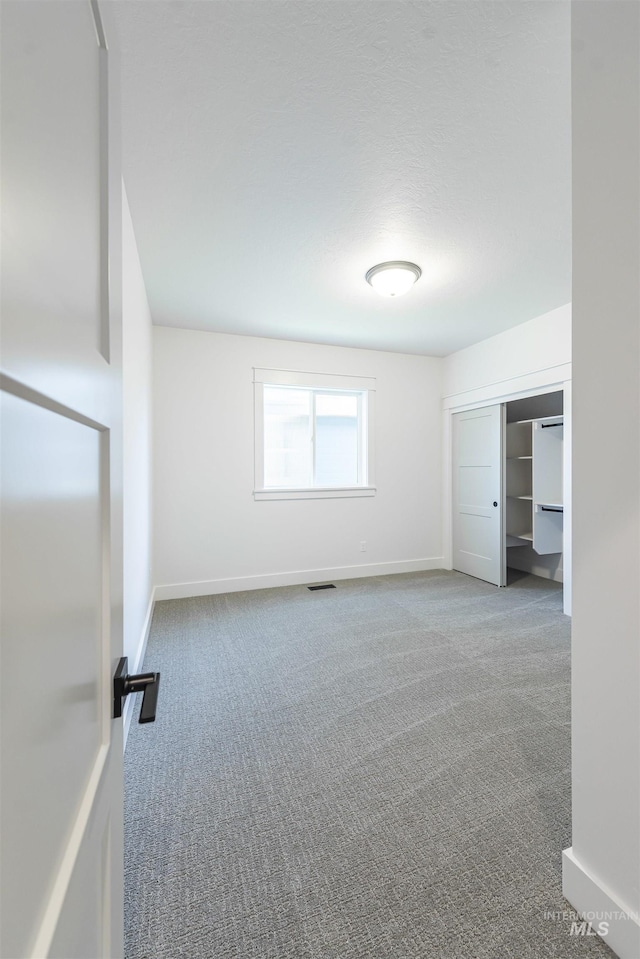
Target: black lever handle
x=147, y=683
x=149, y=699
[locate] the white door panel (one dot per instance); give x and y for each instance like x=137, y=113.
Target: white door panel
x=478, y=543
x=52, y=642
x=475, y=536
x=60, y=409
x=476, y=488
x=54, y=315
x=475, y=437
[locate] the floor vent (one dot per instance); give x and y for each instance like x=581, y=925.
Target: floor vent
x=324, y=586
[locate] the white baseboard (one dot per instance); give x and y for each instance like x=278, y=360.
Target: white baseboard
x=297, y=578
x=135, y=666
x=596, y=904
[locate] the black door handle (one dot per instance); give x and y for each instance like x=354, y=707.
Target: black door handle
x=146, y=683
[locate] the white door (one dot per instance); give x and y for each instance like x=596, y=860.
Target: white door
x=478, y=541
x=61, y=752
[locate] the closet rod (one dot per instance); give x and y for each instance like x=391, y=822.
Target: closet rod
x=548, y=426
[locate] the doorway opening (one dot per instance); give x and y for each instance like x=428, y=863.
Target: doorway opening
x=533, y=495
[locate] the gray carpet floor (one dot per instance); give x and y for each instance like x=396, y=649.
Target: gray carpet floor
x=377, y=771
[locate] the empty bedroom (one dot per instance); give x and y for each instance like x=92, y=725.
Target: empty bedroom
x=321, y=545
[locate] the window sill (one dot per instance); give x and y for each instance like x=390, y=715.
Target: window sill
x=329, y=492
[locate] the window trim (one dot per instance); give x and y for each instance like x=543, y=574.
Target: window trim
x=315, y=381
x=319, y=492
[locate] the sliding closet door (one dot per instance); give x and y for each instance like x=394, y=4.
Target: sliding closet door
x=478, y=542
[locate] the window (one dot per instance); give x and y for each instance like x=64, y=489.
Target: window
x=313, y=435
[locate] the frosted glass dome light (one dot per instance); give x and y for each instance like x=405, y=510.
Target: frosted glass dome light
x=393, y=278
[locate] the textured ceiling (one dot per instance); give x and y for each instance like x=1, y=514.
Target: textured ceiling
x=274, y=151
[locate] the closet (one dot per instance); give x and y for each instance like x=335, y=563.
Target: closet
x=507, y=489
x=534, y=485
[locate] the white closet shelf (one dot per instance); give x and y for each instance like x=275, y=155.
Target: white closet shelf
x=543, y=419
x=519, y=539
x=549, y=505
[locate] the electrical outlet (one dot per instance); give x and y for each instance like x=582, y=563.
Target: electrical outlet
x=363, y=546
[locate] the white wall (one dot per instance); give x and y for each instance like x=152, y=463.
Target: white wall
x=210, y=534
x=602, y=869
x=137, y=466
x=520, y=359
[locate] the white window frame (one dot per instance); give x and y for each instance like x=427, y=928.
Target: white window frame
x=321, y=382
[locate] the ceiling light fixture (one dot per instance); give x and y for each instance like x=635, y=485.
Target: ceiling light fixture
x=393, y=278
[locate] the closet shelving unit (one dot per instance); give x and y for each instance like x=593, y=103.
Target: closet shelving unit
x=534, y=484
